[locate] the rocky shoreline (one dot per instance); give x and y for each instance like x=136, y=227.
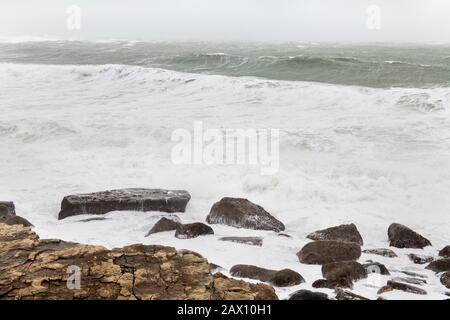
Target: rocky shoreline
x=31, y=268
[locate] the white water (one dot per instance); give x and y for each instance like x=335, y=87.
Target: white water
x=347, y=154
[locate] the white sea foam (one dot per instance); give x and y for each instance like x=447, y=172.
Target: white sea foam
x=347, y=154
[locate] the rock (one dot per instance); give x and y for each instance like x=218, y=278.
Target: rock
x=254, y=241
x=381, y=252
x=133, y=199
x=18, y=220
x=193, y=230
x=401, y=236
x=413, y=274
x=308, y=295
x=94, y=219
x=347, y=295
x=281, y=234
x=345, y=232
x=333, y=284
x=392, y=285
x=282, y=278
x=445, y=279
x=376, y=267
x=416, y=281
x=445, y=252
x=322, y=252
x=7, y=209
x=215, y=268
x=164, y=224
x=419, y=259
x=441, y=265
x=241, y=213
x=345, y=269
x=36, y=269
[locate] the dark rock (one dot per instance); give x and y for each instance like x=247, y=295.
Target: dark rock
x=164, y=224
x=376, y=267
x=445, y=252
x=33, y=269
x=381, y=252
x=94, y=219
x=344, y=269
x=445, y=280
x=392, y=285
x=322, y=252
x=284, y=235
x=333, y=284
x=16, y=220
x=441, y=265
x=241, y=213
x=416, y=281
x=133, y=199
x=413, y=274
x=254, y=241
x=7, y=209
x=308, y=295
x=419, y=259
x=215, y=268
x=401, y=236
x=282, y=278
x=193, y=230
x=347, y=295
x=345, y=232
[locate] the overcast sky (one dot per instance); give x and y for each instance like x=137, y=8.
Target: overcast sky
x=231, y=20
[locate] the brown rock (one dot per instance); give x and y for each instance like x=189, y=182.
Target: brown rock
x=347, y=295
x=164, y=224
x=345, y=232
x=376, y=267
x=416, y=281
x=133, y=199
x=381, y=252
x=38, y=269
x=282, y=278
x=13, y=220
x=7, y=209
x=445, y=252
x=308, y=295
x=241, y=213
x=401, y=236
x=344, y=269
x=392, y=285
x=254, y=241
x=323, y=252
x=193, y=230
x=441, y=265
x=445, y=279
x=333, y=284
x=419, y=259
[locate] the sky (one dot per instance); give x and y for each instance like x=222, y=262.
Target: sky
x=420, y=21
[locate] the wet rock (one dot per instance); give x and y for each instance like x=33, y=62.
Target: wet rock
x=193, y=230
x=445, y=279
x=388, y=253
x=94, y=219
x=441, y=265
x=376, y=267
x=392, y=285
x=419, y=259
x=241, y=213
x=38, y=269
x=401, y=236
x=413, y=274
x=284, y=235
x=17, y=220
x=416, y=281
x=133, y=199
x=323, y=252
x=282, y=278
x=445, y=252
x=164, y=224
x=345, y=232
x=254, y=241
x=381, y=252
x=215, y=268
x=7, y=209
x=347, y=295
x=308, y=295
x=333, y=284
x=345, y=269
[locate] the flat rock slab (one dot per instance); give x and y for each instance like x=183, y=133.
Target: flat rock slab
x=323, y=252
x=401, y=236
x=392, y=285
x=134, y=199
x=282, y=278
x=241, y=213
x=388, y=253
x=254, y=241
x=345, y=232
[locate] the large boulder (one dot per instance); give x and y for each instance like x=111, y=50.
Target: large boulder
x=282, y=278
x=401, y=236
x=344, y=269
x=345, y=232
x=193, y=230
x=164, y=224
x=254, y=241
x=323, y=252
x=445, y=279
x=241, y=213
x=440, y=265
x=36, y=269
x=308, y=295
x=445, y=252
x=7, y=209
x=133, y=199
